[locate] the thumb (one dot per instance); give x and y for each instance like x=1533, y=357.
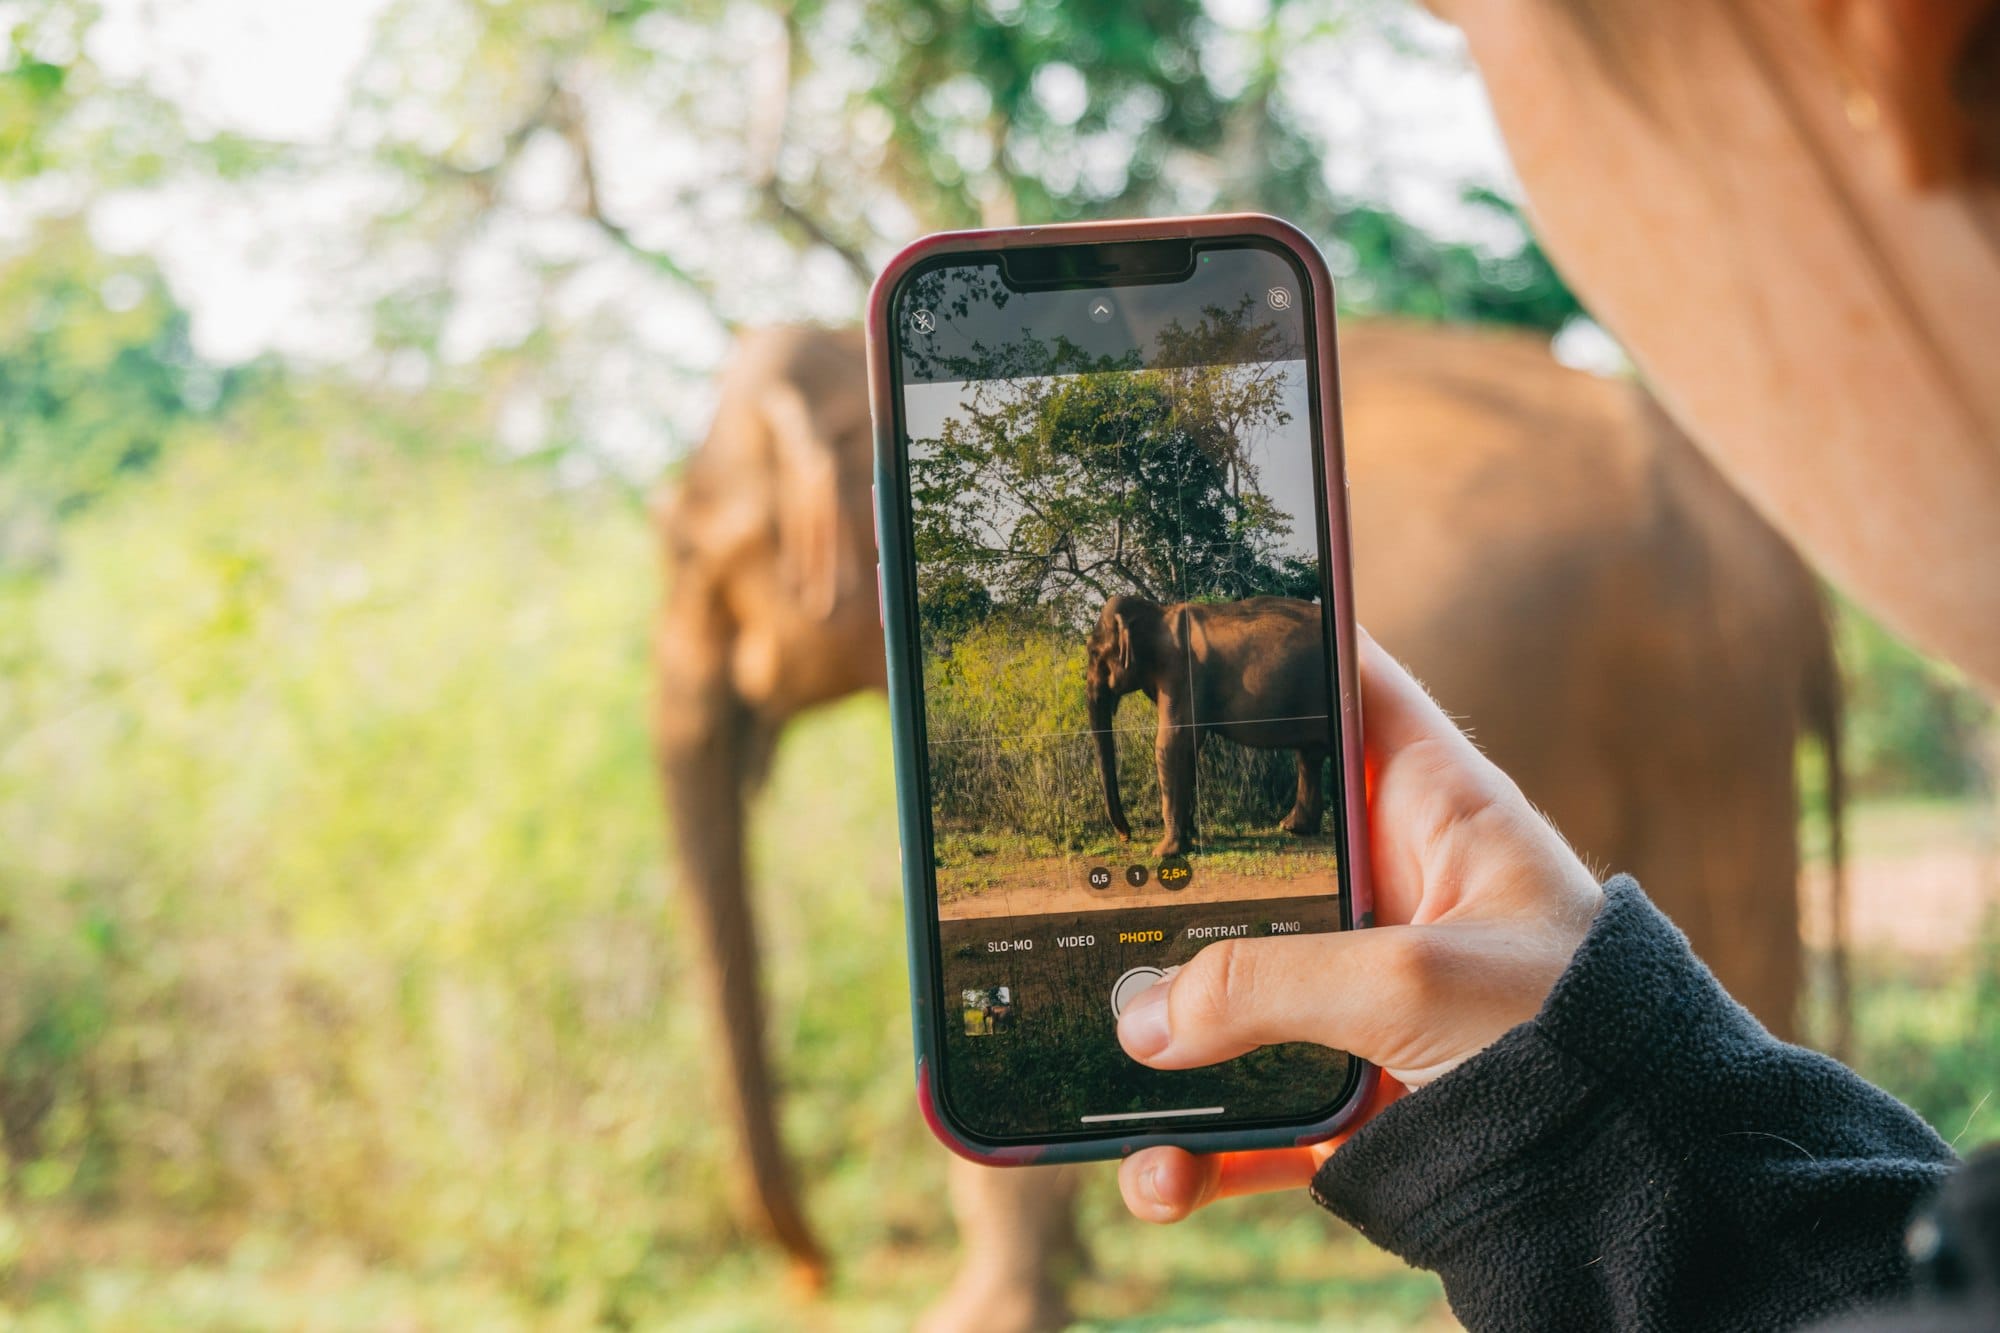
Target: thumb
x=1334, y=989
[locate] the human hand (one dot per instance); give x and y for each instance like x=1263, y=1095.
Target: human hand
x=1481, y=905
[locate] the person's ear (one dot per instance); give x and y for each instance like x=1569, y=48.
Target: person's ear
x=1924, y=75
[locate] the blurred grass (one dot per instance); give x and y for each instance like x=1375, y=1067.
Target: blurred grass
x=341, y=981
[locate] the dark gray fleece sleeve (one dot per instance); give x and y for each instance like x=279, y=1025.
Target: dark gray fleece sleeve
x=1642, y=1155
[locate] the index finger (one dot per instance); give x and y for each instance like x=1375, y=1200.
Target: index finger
x=1396, y=710
x=1167, y=1184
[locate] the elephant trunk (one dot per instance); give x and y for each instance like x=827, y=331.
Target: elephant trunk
x=708, y=755
x=1103, y=708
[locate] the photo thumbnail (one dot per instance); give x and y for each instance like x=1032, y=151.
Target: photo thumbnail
x=988, y=1012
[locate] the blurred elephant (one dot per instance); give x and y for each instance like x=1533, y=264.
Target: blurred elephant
x=1615, y=625
x=1252, y=671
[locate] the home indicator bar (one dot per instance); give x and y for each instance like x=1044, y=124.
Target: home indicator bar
x=1152, y=1115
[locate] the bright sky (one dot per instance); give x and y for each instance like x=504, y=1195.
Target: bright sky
x=276, y=70
x=239, y=259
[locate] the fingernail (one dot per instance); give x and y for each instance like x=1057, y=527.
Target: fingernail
x=1149, y=1187
x=1142, y=1028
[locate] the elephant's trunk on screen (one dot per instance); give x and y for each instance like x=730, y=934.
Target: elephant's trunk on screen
x=1103, y=708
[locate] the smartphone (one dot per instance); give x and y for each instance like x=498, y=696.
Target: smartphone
x=1112, y=529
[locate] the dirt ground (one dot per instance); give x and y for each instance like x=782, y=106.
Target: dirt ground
x=1920, y=880
x=1048, y=885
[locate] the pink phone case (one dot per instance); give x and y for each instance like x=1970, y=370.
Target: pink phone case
x=898, y=617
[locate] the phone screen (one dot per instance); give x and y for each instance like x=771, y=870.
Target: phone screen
x=1119, y=549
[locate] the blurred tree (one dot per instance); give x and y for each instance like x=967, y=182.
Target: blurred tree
x=95, y=375
x=845, y=128
x=570, y=202
x=31, y=93
x=1398, y=269
x=1914, y=727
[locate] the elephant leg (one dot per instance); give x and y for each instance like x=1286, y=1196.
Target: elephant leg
x=1175, y=750
x=1017, y=1238
x=1304, y=819
x=1718, y=854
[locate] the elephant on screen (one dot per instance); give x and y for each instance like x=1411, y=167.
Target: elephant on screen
x=1252, y=671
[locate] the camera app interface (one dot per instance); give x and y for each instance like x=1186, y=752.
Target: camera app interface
x=1127, y=690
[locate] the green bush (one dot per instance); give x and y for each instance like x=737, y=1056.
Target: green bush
x=1912, y=726
x=330, y=869
x=1931, y=1036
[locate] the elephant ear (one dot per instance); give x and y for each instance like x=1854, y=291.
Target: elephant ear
x=1123, y=629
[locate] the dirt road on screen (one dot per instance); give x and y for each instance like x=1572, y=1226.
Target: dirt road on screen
x=1047, y=885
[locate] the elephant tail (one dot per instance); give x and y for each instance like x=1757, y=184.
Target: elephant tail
x=711, y=749
x=1823, y=700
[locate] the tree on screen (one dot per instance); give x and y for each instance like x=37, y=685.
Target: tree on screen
x=1051, y=492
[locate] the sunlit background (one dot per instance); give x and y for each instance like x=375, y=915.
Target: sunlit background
x=343, y=982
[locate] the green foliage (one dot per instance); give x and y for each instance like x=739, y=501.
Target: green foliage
x=1005, y=715
x=292, y=921
x=1140, y=65
x=31, y=97
x=1911, y=726
x=1393, y=268
x=1933, y=1038
x=951, y=605
x=96, y=376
